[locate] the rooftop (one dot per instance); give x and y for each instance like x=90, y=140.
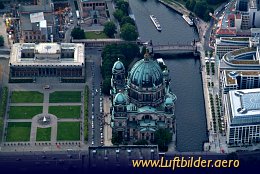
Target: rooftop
x=236, y=38
x=120, y=155
x=245, y=106
x=47, y=54
x=35, y=8
x=230, y=75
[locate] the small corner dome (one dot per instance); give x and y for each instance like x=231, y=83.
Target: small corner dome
x=120, y=99
x=118, y=66
x=165, y=72
x=169, y=101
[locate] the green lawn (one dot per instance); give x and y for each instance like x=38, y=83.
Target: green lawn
x=24, y=112
x=95, y=35
x=43, y=134
x=18, y=131
x=65, y=97
x=68, y=131
x=65, y=111
x=26, y=97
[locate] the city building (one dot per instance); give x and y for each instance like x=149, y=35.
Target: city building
x=28, y=61
x=242, y=79
x=224, y=45
x=120, y=156
x=36, y=23
x=93, y=11
x=143, y=102
x=242, y=111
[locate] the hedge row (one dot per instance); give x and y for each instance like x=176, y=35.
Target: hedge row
x=3, y=108
x=86, y=94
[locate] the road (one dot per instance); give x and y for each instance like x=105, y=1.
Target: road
x=38, y=161
x=75, y=21
x=93, y=57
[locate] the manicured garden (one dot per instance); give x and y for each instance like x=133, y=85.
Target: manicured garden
x=18, y=131
x=24, y=112
x=68, y=131
x=65, y=97
x=43, y=134
x=65, y=111
x=26, y=97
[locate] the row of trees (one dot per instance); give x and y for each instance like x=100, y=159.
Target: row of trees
x=202, y=8
x=128, y=29
x=126, y=52
x=86, y=94
x=3, y=108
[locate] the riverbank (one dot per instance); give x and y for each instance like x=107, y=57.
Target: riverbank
x=175, y=6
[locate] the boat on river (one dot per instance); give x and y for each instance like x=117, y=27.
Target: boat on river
x=156, y=23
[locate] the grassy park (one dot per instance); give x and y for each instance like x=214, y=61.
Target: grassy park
x=65, y=97
x=17, y=131
x=43, y=134
x=24, y=112
x=26, y=97
x=95, y=35
x=68, y=131
x=65, y=111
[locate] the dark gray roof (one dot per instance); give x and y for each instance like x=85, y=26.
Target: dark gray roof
x=35, y=8
x=25, y=22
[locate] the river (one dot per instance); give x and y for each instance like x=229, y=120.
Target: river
x=184, y=71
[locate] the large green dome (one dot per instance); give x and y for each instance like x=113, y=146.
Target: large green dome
x=146, y=73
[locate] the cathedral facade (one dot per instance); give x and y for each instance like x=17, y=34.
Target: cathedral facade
x=142, y=102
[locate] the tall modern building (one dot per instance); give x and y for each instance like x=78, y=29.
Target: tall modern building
x=30, y=61
x=143, y=102
x=242, y=110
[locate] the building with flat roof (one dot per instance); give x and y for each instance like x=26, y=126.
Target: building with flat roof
x=242, y=110
x=30, y=60
x=224, y=45
x=36, y=23
x=109, y=157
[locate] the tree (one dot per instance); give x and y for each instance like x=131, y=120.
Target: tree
x=2, y=5
x=128, y=32
x=116, y=139
x=141, y=142
x=127, y=19
x=106, y=86
x=78, y=33
x=2, y=40
x=162, y=137
x=119, y=14
x=200, y=9
x=110, y=29
x=123, y=5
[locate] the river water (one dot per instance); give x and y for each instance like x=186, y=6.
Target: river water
x=184, y=71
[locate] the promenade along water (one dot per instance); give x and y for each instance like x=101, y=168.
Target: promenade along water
x=184, y=71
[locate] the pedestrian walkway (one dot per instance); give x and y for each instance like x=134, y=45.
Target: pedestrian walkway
x=107, y=127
